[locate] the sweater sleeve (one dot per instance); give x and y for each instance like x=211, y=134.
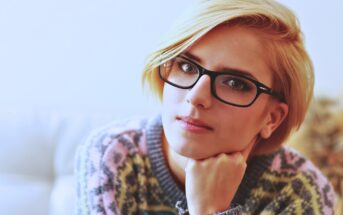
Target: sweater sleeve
x=102, y=163
x=88, y=173
x=234, y=209
x=97, y=164
x=292, y=185
x=306, y=193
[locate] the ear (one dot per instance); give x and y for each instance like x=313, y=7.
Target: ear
x=275, y=117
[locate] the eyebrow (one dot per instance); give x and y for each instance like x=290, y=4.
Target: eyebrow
x=224, y=69
x=192, y=57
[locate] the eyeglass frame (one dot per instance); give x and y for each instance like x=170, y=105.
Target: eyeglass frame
x=261, y=88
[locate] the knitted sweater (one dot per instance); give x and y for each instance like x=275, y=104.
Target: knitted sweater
x=121, y=170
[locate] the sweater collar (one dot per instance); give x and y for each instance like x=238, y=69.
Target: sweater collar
x=256, y=166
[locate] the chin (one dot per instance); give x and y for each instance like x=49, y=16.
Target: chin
x=187, y=144
x=192, y=151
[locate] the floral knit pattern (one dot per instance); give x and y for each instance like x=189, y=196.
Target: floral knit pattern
x=121, y=170
x=291, y=185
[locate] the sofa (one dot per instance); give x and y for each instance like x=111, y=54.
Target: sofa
x=37, y=151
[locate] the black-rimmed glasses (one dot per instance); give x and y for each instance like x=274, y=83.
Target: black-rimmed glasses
x=230, y=87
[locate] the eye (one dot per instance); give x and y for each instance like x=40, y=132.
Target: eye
x=187, y=67
x=237, y=84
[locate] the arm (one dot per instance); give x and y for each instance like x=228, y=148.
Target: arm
x=103, y=164
x=305, y=193
x=95, y=174
x=87, y=167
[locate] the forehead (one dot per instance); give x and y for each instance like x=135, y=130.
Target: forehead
x=233, y=48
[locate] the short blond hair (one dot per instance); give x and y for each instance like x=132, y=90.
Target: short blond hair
x=280, y=33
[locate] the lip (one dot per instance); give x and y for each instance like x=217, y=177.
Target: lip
x=193, y=124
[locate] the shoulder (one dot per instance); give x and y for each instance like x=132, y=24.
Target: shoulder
x=301, y=179
x=104, y=154
x=289, y=162
x=117, y=139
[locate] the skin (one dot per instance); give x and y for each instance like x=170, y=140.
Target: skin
x=207, y=142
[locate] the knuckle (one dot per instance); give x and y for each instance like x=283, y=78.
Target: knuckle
x=238, y=159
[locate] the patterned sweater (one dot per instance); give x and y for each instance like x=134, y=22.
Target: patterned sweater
x=121, y=170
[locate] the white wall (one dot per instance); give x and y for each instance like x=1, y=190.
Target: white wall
x=87, y=55
x=323, y=29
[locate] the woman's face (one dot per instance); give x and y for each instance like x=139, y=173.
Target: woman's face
x=197, y=125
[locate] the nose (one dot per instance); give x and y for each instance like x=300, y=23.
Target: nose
x=200, y=94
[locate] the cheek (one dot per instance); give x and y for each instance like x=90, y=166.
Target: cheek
x=172, y=96
x=170, y=103
x=238, y=127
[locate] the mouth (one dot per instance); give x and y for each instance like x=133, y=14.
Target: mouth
x=193, y=124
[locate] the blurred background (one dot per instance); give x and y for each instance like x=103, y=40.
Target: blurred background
x=69, y=66
x=83, y=55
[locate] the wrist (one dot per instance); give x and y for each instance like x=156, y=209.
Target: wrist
x=235, y=209
x=206, y=210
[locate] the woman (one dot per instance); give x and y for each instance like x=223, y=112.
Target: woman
x=234, y=80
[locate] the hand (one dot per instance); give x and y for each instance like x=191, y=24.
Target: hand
x=212, y=183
